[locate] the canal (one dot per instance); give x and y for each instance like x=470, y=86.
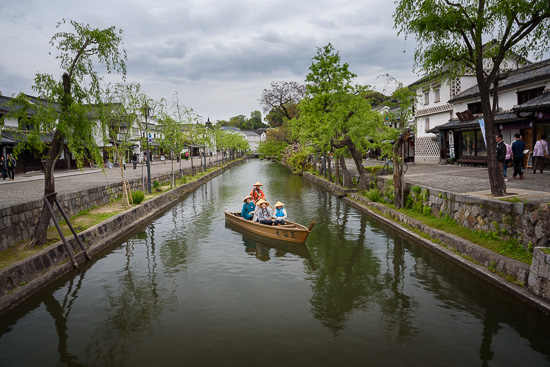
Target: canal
x=188, y=290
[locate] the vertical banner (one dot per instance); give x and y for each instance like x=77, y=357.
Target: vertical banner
x=482, y=126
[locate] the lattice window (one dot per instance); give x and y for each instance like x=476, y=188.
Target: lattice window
x=427, y=146
x=455, y=87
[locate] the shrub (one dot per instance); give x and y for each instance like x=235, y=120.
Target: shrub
x=156, y=184
x=138, y=196
x=373, y=195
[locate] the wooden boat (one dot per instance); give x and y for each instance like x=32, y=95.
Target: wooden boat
x=290, y=232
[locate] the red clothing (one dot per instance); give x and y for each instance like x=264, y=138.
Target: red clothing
x=257, y=194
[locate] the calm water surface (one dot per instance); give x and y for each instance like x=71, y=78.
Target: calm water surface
x=187, y=290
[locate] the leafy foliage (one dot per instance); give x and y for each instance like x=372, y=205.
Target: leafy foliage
x=336, y=113
x=138, y=196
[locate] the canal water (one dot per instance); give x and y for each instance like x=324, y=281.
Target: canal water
x=188, y=290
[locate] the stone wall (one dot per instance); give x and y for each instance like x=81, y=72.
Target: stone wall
x=528, y=223
x=539, y=277
x=17, y=222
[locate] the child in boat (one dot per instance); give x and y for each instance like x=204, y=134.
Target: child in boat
x=279, y=215
x=248, y=208
x=257, y=193
x=261, y=214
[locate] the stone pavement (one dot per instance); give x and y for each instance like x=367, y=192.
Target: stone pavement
x=471, y=180
x=30, y=186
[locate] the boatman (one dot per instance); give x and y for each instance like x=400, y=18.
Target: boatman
x=257, y=193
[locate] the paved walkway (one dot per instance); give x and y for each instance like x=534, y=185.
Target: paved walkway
x=472, y=180
x=30, y=186
x=453, y=178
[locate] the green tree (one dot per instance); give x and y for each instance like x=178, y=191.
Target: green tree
x=452, y=38
x=172, y=134
x=335, y=113
x=237, y=121
x=65, y=107
x=256, y=120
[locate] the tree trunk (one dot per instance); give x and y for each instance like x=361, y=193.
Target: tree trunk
x=496, y=178
x=40, y=235
x=358, y=159
x=329, y=167
x=337, y=171
x=398, y=170
x=345, y=172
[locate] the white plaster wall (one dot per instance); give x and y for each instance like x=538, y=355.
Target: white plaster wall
x=467, y=82
x=11, y=123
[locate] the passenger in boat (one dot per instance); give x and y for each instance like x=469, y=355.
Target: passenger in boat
x=257, y=193
x=279, y=215
x=261, y=214
x=248, y=208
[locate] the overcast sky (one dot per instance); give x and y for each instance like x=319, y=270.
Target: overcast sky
x=218, y=55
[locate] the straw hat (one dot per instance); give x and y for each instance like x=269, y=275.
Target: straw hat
x=257, y=184
x=261, y=201
x=247, y=197
x=278, y=204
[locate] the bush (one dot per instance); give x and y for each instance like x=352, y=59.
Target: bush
x=373, y=195
x=138, y=196
x=156, y=184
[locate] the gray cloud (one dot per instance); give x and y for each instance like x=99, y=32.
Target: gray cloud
x=218, y=54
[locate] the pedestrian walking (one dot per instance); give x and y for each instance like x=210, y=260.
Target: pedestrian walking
x=3, y=167
x=11, y=163
x=540, y=151
x=501, y=152
x=518, y=146
x=507, y=160
x=135, y=160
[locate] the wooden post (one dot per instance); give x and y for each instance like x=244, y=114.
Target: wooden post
x=130, y=192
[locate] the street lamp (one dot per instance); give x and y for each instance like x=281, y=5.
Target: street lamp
x=146, y=111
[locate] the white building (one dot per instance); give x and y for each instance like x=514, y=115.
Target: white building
x=462, y=135
x=433, y=109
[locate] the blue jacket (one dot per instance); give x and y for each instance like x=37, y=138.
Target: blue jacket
x=248, y=210
x=518, y=146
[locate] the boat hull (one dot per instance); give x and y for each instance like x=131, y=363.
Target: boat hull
x=290, y=232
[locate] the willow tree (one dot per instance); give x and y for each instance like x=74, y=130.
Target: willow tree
x=476, y=36
x=63, y=110
x=335, y=113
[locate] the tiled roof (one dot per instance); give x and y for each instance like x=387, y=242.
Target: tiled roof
x=525, y=75
x=506, y=116
x=18, y=136
x=540, y=102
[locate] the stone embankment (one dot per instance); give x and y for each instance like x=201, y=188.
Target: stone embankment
x=476, y=259
x=24, y=278
x=17, y=222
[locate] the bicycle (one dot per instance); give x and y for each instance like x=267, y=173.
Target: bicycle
x=388, y=167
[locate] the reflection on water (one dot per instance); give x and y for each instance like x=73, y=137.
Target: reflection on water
x=189, y=288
